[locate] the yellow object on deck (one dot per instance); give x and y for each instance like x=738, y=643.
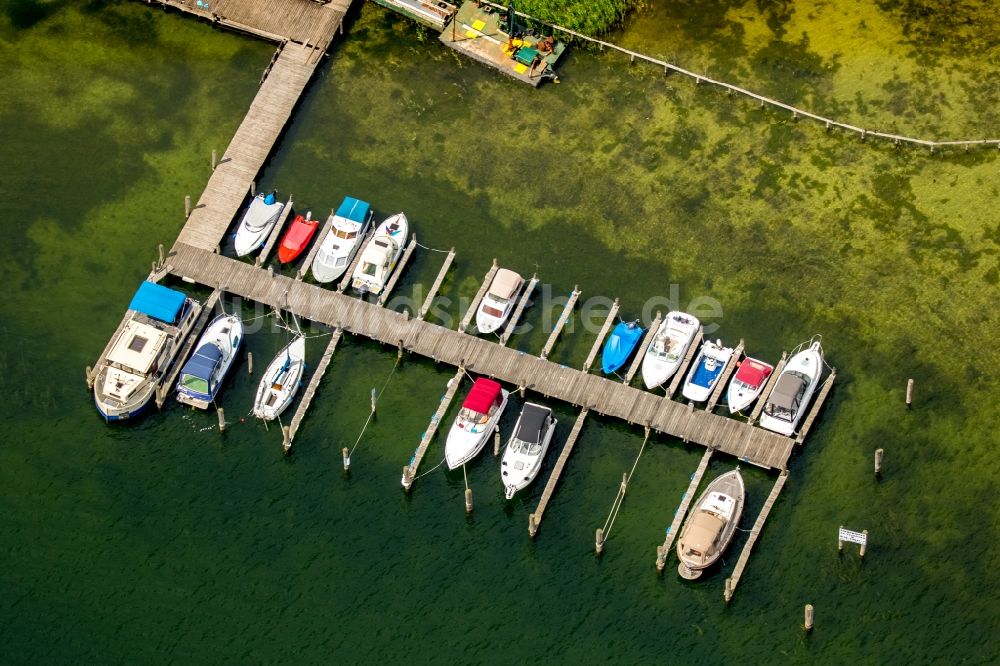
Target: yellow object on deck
x=471, y=34
x=478, y=24
x=520, y=69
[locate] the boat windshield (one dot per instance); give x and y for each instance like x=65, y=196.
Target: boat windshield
x=196, y=384
x=526, y=448
x=340, y=233
x=467, y=414
x=493, y=312
x=369, y=268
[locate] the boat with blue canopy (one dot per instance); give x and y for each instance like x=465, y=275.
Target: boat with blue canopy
x=620, y=345
x=706, y=369
x=143, y=350
x=202, y=375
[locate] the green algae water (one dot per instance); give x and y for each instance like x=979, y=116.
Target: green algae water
x=164, y=540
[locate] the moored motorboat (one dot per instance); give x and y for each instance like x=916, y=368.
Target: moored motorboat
x=522, y=459
x=499, y=300
x=156, y=323
x=281, y=380
x=257, y=222
x=620, y=345
x=669, y=346
x=297, y=238
x=747, y=383
x=705, y=370
x=475, y=422
x=711, y=524
x=203, y=373
x=348, y=227
x=380, y=255
x=788, y=400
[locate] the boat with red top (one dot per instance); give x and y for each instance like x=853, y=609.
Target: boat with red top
x=297, y=237
x=478, y=417
x=747, y=383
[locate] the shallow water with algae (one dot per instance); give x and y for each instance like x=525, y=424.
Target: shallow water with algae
x=164, y=540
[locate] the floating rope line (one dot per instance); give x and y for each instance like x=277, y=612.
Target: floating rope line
x=372, y=413
x=430, y=470
x=432, y=249
x=620, y=497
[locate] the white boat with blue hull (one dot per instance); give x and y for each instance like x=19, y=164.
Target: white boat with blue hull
x=522, y=459
x=788, y=400
x=705, y=371
x=281, y=381
x=261, y=216
x=348, y=227
x=203, y=374
x=140, y=357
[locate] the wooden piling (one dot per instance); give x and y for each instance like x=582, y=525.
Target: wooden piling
x=878, y=461
x=286, y=440
x=250, y=363
x=909, y=393
x=599, y=541
x=222, y=418
x=727, y=593
x=532, y=525
x=663, y=552
x=563, y=318
x=436, y=286
x=808, y=625
x=347, y=459
x=519, y=310
x=864, y=546
x=496, y=441
x=550, y=486
x=471, y=312
x=214, y=162
x=410, y=471
x=313, y=386
x=600, y=336
x=641, y=354
x=817, y=406
x=161, y=255
x=468, y=500
x=187, y=206
x=840, y=542
x=90, y=378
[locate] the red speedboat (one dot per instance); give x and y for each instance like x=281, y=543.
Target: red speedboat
x=297, y=237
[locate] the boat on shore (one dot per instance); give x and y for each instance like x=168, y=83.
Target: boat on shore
x=522, y=459
x=258, y=220
x=281, y=380
x=621, y=343
x=669, y=346
x=203, y=374
x=711, y=525
x=747, y=383
x=705, y=371
x=380, y=255
x=297, y=238
x=152, y=333
x=788, y=400
x=498, y=303
x=475, y=422
x=348, y=227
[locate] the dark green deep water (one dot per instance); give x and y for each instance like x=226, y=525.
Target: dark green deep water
x=163, y=540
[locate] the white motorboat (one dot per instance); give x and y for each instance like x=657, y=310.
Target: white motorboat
x=711, y=525
x=152, y=333
x=522, y=459
x=705, y=370
x=791, y=394
x=475, y=422
x=281, y=380
x=261, y=216
x=380, y=255
x=747, y=383
x=499, y=300
x=202, y=375
x=667, y=350
x=348, y=227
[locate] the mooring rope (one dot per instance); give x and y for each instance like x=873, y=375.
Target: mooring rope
x=620, y=497
x=372, y=413
x=432, y=249
x=430, y=470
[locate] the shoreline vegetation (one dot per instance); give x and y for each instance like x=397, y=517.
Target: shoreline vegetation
x=593, y=17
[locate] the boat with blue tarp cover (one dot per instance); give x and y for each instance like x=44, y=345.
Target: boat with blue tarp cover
x=145, y=348
x=203, y=374
x=705, y=371
x=620, y=345
x=348, y=227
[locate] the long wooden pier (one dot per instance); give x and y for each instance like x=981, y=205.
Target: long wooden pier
x=515, y=317
x=535, y=519
x=207, y=310
x=429, y=301
x=663, y=552
x=471, y=312
x=383, y=298
x=307, y=397
x=766, y=393
x=758, y=525
x=563, y=318
x=641, y=353
x=345, y=281
x=817, y=406
x=410, y=471
x=612, y=313
x=272, y=238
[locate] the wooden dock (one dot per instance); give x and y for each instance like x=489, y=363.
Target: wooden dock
x=471, y=312
x=612, y=313
x=314, y=250
x=723, y=380
x=758, y=525
x=307, y=397
x=641, y=353
x=516, y=315
x=771, y=381
x=272, y=238
x=345, y=281
x=683, y=369
x=426, y=307
x=535, y=519
x=383, y=298
x=410, y=471
x=663, y=552
x=563, y=318
x=166, y=387
x=817, y=406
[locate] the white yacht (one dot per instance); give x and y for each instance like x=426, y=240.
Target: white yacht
x=711, y=525
x=667, y=350
x=747, y=383
x=348, y=227
x=280, y=381
x=522, y=459
x=380, y=255
x=475, y=422
x=705, y=370
x=261, y=216
x=791, y=394
x=202, y=375
x=499, y=300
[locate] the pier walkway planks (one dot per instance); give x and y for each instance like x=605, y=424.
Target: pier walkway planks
x=483, y=356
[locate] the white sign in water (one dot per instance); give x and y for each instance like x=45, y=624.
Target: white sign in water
x=853, y=537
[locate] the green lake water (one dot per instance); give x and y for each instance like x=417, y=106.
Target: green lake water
x=164, y=541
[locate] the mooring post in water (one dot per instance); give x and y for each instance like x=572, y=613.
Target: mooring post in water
x=521, y=389
x=624, y=483
x=468, y=500
x=214, y=161
x=222, y=418
x=840, y=542
x=809, y=618
x=496, y=441
x=270, y=271
x=661, y=558
x=286, y=440
x=160, y=251
x=864, y=545
x=90, y=378
x=532, y=525
x=187, y=206
x=249, y=362
x=373, y=400
x=728, y=593
x=599, y=541
x=407, y=478
x=253, y=188
x=347, y=459
x=878, y=461
x=909, y=393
